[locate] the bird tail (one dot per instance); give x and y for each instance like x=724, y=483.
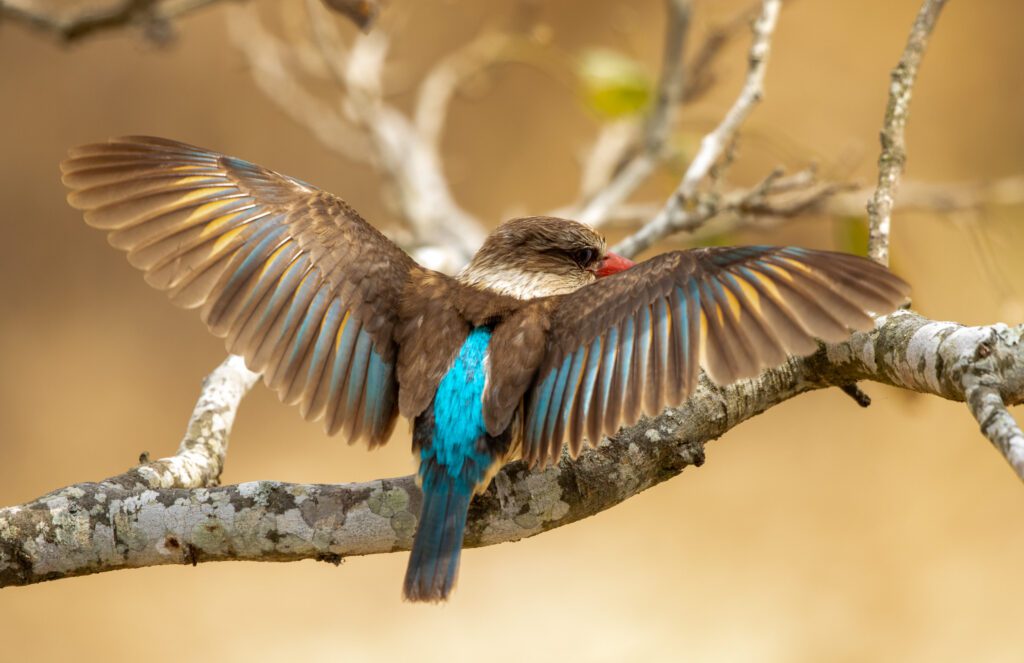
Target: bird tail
x=434, y=563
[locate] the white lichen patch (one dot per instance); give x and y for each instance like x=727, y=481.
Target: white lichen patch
x=364, y=532
x=546, y=495
x=71, y=529
x=7, y=530
x=386, y=503
x=292, y=530
x=298, y=493
x=404, y=525
x=543, y=495
x=255, y=491
x=210, y=537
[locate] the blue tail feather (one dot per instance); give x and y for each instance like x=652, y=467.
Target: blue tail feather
x=434, y=563
x=456, y=454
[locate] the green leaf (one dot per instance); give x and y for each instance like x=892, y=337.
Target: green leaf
x=613, y=84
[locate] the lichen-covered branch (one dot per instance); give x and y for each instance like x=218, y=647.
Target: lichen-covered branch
x=893, y=157
x=674, y=213
x=200, y=456
x=114, y=524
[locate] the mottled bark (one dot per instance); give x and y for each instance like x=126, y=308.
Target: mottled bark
x=893, y=157
x=94, y=527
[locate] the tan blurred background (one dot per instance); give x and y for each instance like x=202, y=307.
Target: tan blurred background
x=819, y=531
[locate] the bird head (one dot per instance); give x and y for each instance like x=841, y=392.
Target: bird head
x=539, y=256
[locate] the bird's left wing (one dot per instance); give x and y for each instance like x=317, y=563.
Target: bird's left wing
x=294, y=279
x=633, y=342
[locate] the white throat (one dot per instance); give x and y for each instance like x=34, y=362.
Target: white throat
x=514, y=283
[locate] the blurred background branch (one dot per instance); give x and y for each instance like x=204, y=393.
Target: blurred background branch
x=69, y=23
x=673, y=215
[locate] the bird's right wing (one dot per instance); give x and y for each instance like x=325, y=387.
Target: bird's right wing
x=294, y=279
x=633, y=342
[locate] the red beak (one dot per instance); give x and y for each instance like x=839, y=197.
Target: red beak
x=613, y=263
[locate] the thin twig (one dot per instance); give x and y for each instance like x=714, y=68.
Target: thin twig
x=674, y=216
x=776, y=197
x=672, y=81
x=411, y=163
x=153, y=15
x=363, y=127
x=893, y=157
x=700, y=73
x=669, y=92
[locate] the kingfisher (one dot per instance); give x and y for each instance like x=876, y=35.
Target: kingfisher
x=546, y=338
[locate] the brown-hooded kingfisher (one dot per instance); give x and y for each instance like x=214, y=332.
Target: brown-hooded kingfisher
x=545, y=337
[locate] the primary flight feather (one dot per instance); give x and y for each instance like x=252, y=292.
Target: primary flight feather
x=546, y=337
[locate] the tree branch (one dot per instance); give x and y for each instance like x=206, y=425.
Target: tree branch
x=673, y=215
x=131, y=523
x=155, y=16
x=405, y=153
x=893, y=157
x=671, y=86
x=83, y=21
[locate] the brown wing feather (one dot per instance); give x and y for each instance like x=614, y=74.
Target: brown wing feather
x=291, y=276
x=734, y=311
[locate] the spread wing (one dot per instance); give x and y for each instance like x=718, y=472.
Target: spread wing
x=633, y=342
x=291, y=276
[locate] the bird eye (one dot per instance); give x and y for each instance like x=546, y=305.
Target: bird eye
x=584, y=257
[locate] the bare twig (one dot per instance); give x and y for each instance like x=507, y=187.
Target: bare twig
x=154, y=16
x=700, y=76
x=672, y=82
x=411, y=163
x=893, y=157
x=775, y=198
x=674, y=216
x=936, y=197
x=671, y=86
x=362, y=126
x=73, y=25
